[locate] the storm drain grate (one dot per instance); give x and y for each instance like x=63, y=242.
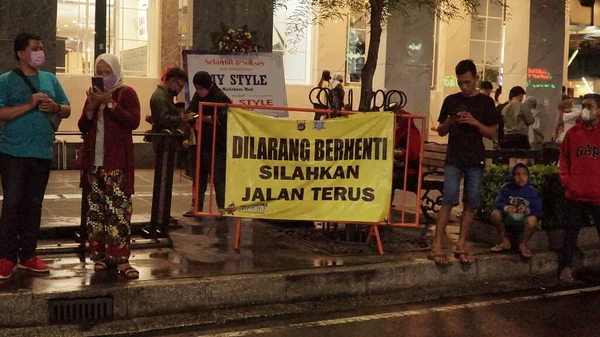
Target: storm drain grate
x=80, y=310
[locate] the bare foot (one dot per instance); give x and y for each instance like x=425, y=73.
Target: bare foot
x=505, y=245
x=525, y=251
x=566, y=276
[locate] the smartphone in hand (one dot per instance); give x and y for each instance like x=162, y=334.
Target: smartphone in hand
x=97, y=82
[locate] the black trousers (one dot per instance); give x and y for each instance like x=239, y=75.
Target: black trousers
x=219, y=175
x=576, y=218
x=24, y=182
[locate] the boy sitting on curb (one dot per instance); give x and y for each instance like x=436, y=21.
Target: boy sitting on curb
x=517, y=210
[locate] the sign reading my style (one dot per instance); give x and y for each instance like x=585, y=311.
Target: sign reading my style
x=330, y=170
x=254, y=79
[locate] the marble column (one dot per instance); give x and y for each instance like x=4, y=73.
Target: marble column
x=546, y=57
x=516, y=51
x=40, y=19
x=409, y=59
x=170, y=35
x=208, y=15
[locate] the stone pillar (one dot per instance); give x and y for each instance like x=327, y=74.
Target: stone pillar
x=170, y=35
x=453, y=46
x=409, y=59
x=546, y=56
x=516, y=48
x=40, y=19
x=208, y=15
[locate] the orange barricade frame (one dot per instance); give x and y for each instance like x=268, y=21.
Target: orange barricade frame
x=373, y=231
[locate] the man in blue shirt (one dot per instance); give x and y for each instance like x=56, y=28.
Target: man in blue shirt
x=31, y=102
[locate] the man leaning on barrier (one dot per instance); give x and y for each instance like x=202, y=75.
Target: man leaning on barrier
x=165, y=116
x=208, y=91
x=32, y=103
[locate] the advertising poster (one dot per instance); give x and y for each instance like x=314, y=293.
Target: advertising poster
x=249, y=79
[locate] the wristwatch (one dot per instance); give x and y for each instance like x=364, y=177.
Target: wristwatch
x=111, y=105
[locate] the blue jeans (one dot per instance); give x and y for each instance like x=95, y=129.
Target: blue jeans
x=452, y=177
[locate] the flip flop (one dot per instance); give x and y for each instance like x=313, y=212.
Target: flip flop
x=440, y=260
x=567, y=280
x=526, y=256
x=463, y=257
x=499, y=249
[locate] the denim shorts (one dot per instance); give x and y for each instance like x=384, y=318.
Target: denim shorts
x=452, y=177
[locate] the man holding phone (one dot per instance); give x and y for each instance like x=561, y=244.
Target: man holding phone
x=32, y=103
x=466, y=117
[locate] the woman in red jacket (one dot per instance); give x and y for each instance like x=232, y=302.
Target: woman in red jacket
x=108, y=119
x=405, y=129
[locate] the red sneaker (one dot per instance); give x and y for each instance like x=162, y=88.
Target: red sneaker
x=34, y=264
x=6, y=269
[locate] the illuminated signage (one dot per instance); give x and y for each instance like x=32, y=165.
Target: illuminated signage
x=539, y=78
x=450, y=81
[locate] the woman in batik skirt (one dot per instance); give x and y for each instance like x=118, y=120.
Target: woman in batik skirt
x=109, y=116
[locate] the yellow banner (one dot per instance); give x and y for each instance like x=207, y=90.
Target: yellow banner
x=334, y=170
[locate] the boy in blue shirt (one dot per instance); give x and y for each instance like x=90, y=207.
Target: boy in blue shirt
x=518, y=208
x=32, y=103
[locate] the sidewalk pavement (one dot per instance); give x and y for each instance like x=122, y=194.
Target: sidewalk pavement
x=202, y=274
x=280, y=270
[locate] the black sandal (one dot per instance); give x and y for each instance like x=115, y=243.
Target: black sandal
x=463, y=258
x=440, y=260
x=100, y=266
x=130, y=273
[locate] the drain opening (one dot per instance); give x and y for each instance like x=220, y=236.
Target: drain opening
x=80, y=310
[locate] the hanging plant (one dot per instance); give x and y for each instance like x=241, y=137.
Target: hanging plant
x=231, y=40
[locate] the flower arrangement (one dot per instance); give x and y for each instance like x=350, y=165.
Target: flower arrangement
x=235, y=40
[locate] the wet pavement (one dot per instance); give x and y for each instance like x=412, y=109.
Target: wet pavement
x=202, y=248
x=562, y=313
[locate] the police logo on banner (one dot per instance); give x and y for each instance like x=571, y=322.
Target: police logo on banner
x=319, y=125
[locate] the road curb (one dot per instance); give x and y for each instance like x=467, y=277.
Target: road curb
x=411, y=281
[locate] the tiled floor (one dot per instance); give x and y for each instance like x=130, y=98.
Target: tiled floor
x=201, y=248
x=62, y=203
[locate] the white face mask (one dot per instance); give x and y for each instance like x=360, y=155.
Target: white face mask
x=587, y=115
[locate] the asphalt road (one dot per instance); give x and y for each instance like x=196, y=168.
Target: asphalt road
x=561, y=313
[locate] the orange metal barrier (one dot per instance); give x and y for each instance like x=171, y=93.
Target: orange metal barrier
x=374, y=230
